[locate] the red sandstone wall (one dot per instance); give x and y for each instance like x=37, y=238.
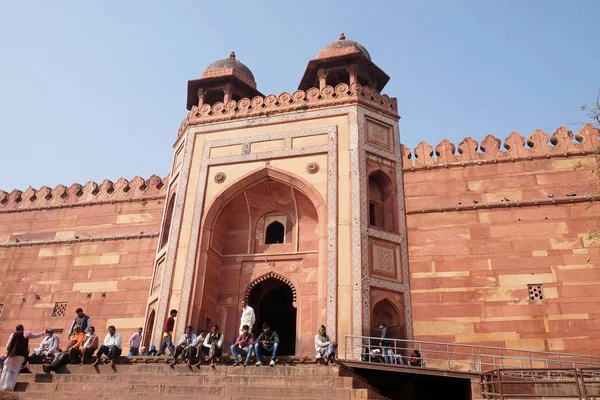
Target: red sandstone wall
x=484, y=225
x=74, y=244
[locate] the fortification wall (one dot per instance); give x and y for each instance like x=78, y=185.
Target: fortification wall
x=90, y=246
x=487, y=222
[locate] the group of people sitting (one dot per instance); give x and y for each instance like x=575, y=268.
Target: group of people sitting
x=192, y=348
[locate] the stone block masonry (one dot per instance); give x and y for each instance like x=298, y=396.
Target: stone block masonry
x=89, y=246
x=499, y=238
x=486, y=227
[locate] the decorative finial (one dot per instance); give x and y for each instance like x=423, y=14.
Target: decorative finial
x=232, y=55
x=342, y=36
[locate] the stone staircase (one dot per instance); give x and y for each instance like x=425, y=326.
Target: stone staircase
x=153, y=378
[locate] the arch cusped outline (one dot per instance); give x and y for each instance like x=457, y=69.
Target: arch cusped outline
x=269, y=275
x=253, y=177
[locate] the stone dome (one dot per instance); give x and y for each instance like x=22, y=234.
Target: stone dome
x=231, y=63
x=349, y=46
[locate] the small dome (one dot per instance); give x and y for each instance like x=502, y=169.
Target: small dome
x=231, y=63
x=348, y=46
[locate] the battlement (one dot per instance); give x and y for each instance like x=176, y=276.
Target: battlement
x=515, y=146
x=75, y=195
x=285, y=102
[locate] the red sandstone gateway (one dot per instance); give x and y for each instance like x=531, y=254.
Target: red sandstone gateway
x=307, y=205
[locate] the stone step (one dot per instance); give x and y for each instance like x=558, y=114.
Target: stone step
x=164, y=369
x=217, y=391
x=207, y=379
x=63, y=396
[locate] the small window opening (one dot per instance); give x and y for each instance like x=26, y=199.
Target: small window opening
x=59, y=309
x=334, y=78
x=536, y=292
x=275, y=233
x=372, y=214
x=213, y=97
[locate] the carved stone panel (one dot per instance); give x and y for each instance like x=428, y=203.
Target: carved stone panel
x=384, y=259
x=379, y=135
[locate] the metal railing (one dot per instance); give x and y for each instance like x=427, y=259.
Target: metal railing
x=573, y=383
x=460, y=357
x=504, y=384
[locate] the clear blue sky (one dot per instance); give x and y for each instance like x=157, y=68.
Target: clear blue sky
x=97, y=89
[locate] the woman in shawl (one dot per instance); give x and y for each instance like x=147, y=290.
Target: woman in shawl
x=325, y=347
x=17, y=350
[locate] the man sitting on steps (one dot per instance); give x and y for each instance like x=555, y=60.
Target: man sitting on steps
x=75, y=341
x=89, y=345
x=213, y=345
x=267, y=341
x=187, y=340
x=48, y=347
x=243, y=346
x=111, y=348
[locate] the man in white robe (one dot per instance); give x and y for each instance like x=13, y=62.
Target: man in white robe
x=248, y=316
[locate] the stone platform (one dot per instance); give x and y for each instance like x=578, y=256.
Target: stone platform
x=152, y=378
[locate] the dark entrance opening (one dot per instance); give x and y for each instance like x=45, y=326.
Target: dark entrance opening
x=272, y=301
x=413, y=385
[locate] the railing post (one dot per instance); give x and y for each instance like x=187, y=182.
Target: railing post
x=499, y=382
x=448, y=354
x=346, y=347
x=559, y=363
x=530, y=362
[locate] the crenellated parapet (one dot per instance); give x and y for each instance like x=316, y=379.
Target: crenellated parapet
x=491, y=149
x=299, y=100
x=91, y=193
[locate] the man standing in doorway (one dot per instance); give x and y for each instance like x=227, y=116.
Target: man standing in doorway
x=248, y=316
x=168, y=334
x=385, y=343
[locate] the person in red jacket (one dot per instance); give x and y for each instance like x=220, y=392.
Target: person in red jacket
x=167, y=340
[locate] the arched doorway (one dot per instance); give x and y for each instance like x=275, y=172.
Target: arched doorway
x=149, y=328
x=273, y=302
x=385, y=311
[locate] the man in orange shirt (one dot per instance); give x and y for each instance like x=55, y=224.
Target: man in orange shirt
x=75, y=341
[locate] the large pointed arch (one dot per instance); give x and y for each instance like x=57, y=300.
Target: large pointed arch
x=203, y=296
x=256, y=176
